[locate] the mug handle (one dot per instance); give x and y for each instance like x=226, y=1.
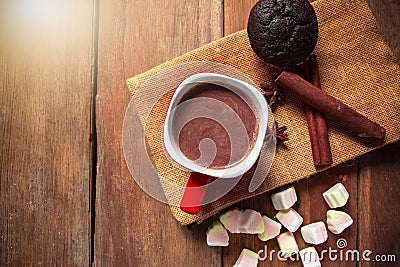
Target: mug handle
x=195, y=191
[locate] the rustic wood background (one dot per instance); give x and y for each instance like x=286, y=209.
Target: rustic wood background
x=67, y=198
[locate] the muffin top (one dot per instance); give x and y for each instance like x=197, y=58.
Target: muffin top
x=283, y=33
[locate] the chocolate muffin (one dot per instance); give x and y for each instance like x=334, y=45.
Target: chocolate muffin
x=283, y=33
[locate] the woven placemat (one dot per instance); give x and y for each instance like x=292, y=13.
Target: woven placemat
x=356, y=66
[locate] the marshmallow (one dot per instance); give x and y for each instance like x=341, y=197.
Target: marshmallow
x=284, y=199
x=251, y=222
x=290, y=219
x=338, y=221
x=287, y=244
x=314, y=233
x=309, y=257
x=247, y=258
x=271, y=229
x=336, y=196
x=217, y=235
x=230, y=220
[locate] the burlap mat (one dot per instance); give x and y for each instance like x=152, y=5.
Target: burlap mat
x=356, y=67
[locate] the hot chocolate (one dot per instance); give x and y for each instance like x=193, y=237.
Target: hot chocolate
x=214, y=126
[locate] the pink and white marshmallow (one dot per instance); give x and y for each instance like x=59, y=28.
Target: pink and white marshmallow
x=217, y=236
x=251, y=222
x=243, y=221
x=290, y=219
x=284, y=199
x=336, y=196
x=247, y=258
x=338, y=221
x=271, y=229
x=287, y=244
x=314, y=233
x=230, y=219
x=309, y=257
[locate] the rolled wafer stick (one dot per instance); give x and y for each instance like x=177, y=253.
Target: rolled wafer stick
x=304, y=71
x=330, y=106
x=322, y=129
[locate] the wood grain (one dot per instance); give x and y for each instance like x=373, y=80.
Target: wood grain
x=134, y=37
x=236, y=14
x=387, y=16
x=48, y=75
x=378, y=205
x=45, y=154
x=132, y=229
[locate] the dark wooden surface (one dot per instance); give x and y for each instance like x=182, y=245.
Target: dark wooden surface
x=53, y=59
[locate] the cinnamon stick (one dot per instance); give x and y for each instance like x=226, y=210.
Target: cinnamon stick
x=322, y=129
x=304, y=71
x=330, y=106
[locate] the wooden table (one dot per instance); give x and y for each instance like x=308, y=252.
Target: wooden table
x=67, y=197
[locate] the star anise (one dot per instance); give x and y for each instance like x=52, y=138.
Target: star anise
x=280, y=132
x=192, y=226
x=273, y=94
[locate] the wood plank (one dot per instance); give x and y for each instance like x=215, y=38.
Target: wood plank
x=378, y=205
x=313, y=207
x=311, y=204
x=387, y=17
x=131, y=227
x=45, y=161
x=236, y=14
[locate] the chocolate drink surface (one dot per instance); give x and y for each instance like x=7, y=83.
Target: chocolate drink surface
x=214, y=126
